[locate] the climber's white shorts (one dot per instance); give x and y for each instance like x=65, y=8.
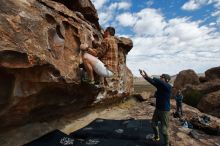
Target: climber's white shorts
x=98, y=66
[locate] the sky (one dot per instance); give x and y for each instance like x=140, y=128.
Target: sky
x=168, y=35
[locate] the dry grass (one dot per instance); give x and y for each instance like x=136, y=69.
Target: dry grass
x=140, y=88
x=141, y=85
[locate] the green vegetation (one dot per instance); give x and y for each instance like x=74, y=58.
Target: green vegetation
x=192, y=97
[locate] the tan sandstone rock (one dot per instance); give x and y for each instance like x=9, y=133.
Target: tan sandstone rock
x=40, y=58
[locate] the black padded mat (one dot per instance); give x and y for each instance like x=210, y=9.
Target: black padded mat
x=102, y=132
x=138, y=131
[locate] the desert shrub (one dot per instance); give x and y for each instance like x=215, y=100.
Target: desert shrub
x=192, y=97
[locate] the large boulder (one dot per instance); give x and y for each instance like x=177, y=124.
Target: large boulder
x=186, y=77
x=213, y=73
x=207, y=87
x=125, y=43
x=210, y=103
x=40, y=58
x=194, y=93
x=201, y=92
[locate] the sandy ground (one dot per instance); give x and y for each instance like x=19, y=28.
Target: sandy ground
x=115, y=112
x=67, y=124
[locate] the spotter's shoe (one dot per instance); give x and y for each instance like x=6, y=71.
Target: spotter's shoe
x=155, y=138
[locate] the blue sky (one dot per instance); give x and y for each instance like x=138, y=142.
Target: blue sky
x=168, y=35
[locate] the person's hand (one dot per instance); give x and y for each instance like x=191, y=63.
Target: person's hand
x=91, y=37
x=84, y=46
x=143, y=73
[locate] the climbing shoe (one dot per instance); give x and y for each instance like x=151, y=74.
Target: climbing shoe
x=155, y=138
x=91, y=82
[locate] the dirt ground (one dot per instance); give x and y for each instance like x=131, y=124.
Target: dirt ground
x=128, y=109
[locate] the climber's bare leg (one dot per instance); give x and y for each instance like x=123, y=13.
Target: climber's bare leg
x=89, y=69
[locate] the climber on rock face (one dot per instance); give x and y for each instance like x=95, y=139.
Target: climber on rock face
x=161, y=112
x=107, y=52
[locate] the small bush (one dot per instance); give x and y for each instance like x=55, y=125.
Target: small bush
x=192, y=97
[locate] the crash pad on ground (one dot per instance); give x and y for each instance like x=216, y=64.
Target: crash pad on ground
x=102, y=132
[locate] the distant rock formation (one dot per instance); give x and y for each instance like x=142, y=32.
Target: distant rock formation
x=204, y=95
x=186, y=77
x=213, y=73
x=210, y=103
x=40, y=58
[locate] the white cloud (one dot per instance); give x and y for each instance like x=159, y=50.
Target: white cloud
x=150, y=22
x=164, y=45
x=185, y=30
x=119, y=6
x=112, y=7
x=217, y=15
x=169, y=65
x=183, y=44
x=212, y=24
x=99, y=3
x=124, y=5
x=109, y=11
x=147, y=45
x=216, y=3
x=197, y=4
x=104, y=17
x=191, y=5
x=147, y=22
x=126, y=19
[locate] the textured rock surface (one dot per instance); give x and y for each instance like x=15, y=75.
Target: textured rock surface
x=125, y=43
x=186, y=77
x=85, y=7
x=40, y=58
x=184, y=80
x=205, y=88
x=205, y=95
x=210, y=103
x=213, y=73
